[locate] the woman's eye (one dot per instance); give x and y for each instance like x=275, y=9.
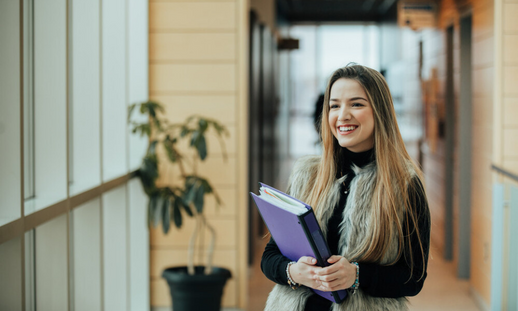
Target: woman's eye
x=357, y=105
x=333, y=106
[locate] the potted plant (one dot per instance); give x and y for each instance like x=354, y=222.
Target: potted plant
x=192, y=288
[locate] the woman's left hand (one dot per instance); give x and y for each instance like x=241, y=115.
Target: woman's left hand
x=341, y=274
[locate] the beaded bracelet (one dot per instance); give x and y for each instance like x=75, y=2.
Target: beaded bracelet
x=356, y=284
x=291, y=283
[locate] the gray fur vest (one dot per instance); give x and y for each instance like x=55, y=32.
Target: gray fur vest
x=356, y=219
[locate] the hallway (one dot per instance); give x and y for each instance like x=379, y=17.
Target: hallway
x=442, y=291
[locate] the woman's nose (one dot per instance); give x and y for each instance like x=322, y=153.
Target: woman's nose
x=344, y=114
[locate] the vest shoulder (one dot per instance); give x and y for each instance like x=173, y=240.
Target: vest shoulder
x=302, y=175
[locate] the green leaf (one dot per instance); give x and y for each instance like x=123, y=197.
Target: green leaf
x=151, y=210
x=152, y=147
x=184, y=131
x=201, y=146
x=177, y=215
x=130, y=111
x=194, y=138
x=198, y=199
x=190, y=190
x=186, y=208
x=149, y=167
x=157, y=210
x=202, y=123
x=171, y=152
x=166, y=212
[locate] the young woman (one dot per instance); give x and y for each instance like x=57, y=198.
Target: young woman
x=369, y=199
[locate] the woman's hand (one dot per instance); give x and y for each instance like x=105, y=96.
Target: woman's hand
x=341, y=274
x=305, y=272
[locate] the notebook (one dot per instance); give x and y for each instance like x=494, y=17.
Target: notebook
x=295, y=230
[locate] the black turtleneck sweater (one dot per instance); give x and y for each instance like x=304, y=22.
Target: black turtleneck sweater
x=376, y=280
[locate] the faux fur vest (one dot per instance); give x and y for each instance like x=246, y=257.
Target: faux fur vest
x=356, y=219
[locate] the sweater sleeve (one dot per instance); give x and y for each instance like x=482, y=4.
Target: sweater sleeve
x=273, y=263
x=399, y=280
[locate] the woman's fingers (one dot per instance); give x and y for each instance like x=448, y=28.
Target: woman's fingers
x=307, y=260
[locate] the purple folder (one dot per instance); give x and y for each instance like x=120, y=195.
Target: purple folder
x=297, y=236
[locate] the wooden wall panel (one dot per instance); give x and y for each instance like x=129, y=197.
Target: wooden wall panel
x=510, y=80
x=192, y=78
x=225, y=229
x=192, y=46
x=220, y=107
x=483, y=52
x=510, y=48
x=510, y=22
x=174, y=16
x=511, y=142
x=483, y=82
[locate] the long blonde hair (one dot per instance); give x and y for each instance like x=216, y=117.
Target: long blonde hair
x=391, y=194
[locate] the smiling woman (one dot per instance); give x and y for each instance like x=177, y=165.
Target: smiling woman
x=350, y=116
x=369, y=199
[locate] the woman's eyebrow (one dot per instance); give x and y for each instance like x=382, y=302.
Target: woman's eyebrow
x=357, y=98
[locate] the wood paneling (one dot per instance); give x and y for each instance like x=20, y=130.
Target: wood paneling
x=179, y=107
x=510, y=80
x=511, y=142
x=483, y=52
x=174, y=16
x=178, y=238
x=510, y=22
x=192, y=78
x=510, y=48
x=483, y=82
x=192, y=46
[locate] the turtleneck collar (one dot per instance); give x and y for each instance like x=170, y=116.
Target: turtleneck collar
x=347, y=158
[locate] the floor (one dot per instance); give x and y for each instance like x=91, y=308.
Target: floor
x=441, y=291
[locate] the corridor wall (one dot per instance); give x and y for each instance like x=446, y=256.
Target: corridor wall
x=485, y=127
x=198, y=65
x=73, y=233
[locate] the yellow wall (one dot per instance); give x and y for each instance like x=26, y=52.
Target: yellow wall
x=506, y=133
x=198, y=65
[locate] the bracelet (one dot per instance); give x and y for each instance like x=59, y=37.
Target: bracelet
x=356, y=284
x=291, y=283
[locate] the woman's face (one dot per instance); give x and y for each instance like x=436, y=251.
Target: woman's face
x=350, y=115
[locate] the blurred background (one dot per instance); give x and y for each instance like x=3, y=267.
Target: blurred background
x=73, y=217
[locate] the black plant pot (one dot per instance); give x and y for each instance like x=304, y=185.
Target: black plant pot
x=198, y=291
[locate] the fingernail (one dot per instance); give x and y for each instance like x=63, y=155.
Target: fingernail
x=313, y=260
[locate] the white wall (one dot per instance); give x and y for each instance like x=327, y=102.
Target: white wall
x=115, y=248
x=51, y=251
x=86, y=256
x=10, y=189
x=114, y=88
x=85, y=96
x=11, y=275
x=50, y=101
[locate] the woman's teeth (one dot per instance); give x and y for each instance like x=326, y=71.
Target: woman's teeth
x=346, y=128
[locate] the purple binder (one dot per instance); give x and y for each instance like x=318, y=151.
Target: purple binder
x=297, y=236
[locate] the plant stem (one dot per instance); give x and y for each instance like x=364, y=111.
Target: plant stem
x=210, y=252
x=192, y=244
